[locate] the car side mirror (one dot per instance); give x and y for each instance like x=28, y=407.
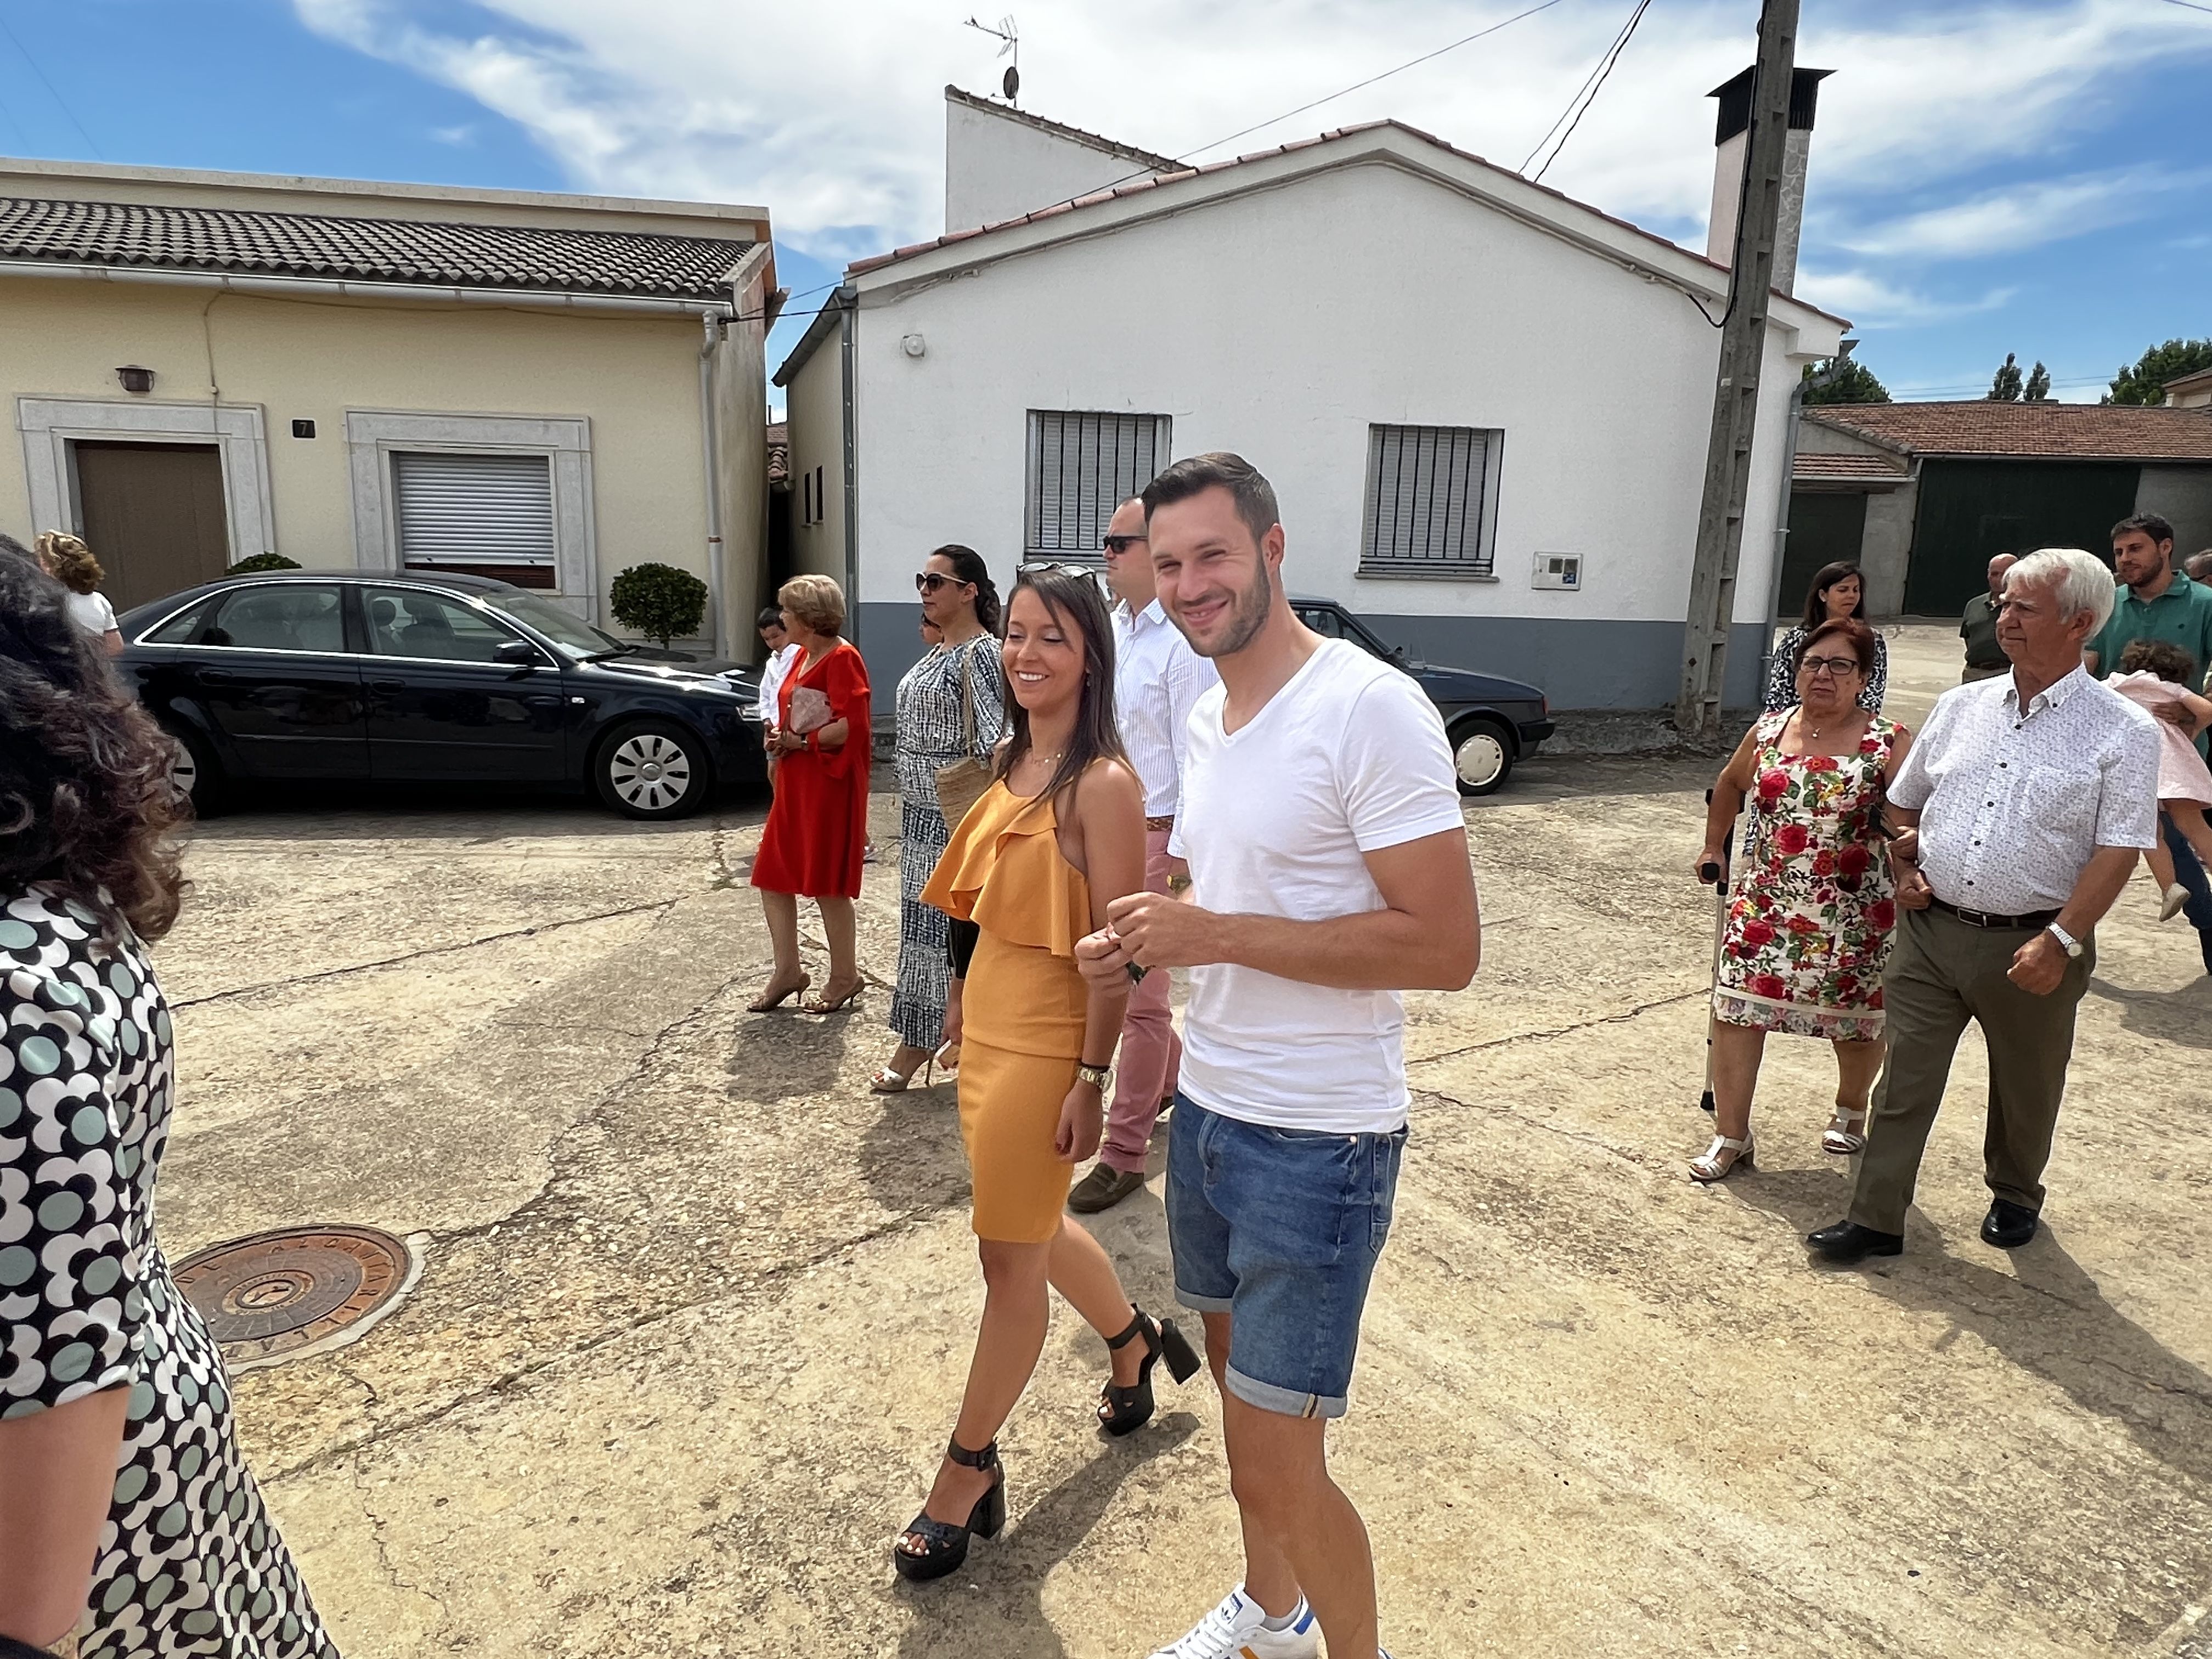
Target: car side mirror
x=517, y=653
x=1397, y=653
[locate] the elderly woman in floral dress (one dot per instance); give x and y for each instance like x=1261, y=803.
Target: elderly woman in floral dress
x=1808, y=925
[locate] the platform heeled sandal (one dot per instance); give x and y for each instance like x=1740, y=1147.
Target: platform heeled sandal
x=930, y=1548
x=1122, y=1410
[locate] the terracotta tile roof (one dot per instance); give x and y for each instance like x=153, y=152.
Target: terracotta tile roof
x=1181, y=171
x=402, y=250
x=2043, y=430
x=1813, y=467
x=778, y=453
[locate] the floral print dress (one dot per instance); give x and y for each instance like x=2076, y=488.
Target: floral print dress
x=1809, y=922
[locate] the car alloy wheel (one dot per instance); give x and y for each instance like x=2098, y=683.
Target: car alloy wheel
x=1480, y=757
x=651, y=773
x=184, y=773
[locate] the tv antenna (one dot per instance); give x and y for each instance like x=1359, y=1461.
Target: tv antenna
x=1010, y=44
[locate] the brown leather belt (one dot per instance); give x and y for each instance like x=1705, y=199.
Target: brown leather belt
x=1167, y=822
x=1983, y=918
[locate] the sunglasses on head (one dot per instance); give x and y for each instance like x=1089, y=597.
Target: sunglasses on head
x=1088, y=573
x=929, y=581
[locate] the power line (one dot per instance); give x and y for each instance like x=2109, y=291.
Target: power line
x=59, y=102
x=1575, y=98
x=1620, y=46
x=2191, y=4
x=1359, y=86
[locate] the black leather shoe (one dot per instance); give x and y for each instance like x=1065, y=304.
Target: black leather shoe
x=2008, y=1225
x=1847, y=1242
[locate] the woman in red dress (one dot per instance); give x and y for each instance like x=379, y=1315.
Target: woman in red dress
x=818, y=828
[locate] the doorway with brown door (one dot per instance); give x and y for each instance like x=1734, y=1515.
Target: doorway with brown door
x=153, y=516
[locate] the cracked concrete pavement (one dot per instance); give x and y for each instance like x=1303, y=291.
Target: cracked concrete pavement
x=696, y=1306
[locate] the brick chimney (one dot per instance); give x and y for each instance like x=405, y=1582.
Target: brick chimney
x=1730, y=134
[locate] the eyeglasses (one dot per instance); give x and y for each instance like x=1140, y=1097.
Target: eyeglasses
x=1835, y=667
x=1113, y=544
x=929, y=581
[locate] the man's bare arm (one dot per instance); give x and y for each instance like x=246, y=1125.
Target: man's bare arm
x=1428, y=936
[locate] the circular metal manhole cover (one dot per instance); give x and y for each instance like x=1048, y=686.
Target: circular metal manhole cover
x=276, y=1294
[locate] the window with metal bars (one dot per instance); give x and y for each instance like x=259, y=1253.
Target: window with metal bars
x=1081, y=467
x=1430, y=510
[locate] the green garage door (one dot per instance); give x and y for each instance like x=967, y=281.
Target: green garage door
x=1825, y=528
x=1971, y=510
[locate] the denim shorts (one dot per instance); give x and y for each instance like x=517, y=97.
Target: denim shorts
x=1279, y=1229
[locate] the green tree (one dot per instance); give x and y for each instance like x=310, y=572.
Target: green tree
x=2143, y=381
x=658, y=601
x=1846, y=382
x=2005, y=388
x=2038, y=383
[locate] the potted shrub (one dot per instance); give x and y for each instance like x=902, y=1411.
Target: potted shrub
x=658, y=601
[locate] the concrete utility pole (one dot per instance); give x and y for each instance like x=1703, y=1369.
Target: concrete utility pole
x=1736, y=396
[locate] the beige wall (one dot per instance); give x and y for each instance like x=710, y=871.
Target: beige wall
x=635, y=378
x=814, y=404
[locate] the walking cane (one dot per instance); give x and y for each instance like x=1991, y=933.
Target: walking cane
x=1715, y=872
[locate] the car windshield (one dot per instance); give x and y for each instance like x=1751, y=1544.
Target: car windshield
x=561, y=625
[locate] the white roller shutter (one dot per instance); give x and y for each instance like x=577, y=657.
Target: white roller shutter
x=1426, y=514
x=474, y=509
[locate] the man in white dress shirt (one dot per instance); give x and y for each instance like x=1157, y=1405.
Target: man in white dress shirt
x=2023, y=806
x=1157, y=679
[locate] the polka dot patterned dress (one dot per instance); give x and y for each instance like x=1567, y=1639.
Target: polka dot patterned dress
x=189, y=1563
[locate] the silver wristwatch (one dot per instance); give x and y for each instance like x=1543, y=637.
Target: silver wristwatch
x=1095, y=1076
x=2067, y=942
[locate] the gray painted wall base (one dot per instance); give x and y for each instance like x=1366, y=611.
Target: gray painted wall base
x=1577, y=663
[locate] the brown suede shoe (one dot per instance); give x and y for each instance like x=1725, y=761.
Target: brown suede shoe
x=1102, y=1188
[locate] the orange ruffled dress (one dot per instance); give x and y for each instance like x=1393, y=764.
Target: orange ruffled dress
x=1022, y=1008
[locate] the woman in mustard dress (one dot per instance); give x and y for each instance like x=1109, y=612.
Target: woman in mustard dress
x=1059, y=835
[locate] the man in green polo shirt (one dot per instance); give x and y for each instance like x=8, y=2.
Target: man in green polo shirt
x=2157, y=602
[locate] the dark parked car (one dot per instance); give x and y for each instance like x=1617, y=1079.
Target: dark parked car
x=1492, y=721
x=341, y=677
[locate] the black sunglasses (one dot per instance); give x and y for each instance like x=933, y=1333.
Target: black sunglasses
x=1120, y=544
x=929, y=581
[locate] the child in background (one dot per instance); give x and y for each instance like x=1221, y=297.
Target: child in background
x=2154, y=673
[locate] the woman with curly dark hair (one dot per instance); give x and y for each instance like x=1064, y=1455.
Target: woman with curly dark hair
x=131, y=1526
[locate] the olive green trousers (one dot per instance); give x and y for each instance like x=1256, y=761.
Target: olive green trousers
x=1941, y=974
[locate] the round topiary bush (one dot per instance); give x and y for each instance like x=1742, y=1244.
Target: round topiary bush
x=658, y=601
x=253, y=562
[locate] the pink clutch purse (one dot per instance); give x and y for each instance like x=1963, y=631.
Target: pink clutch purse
x=809, y=710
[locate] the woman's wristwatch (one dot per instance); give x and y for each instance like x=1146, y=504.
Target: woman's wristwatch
x=1095, y=1076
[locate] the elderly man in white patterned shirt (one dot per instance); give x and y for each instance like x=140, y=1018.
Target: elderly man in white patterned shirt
x=1157, y=678
x=2021, y=809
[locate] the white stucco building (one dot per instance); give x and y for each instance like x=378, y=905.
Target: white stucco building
x=1454, y=377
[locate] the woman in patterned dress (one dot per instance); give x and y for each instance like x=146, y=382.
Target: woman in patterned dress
x=958, y=600
x=130, y=1527
x=1838, y=592
x=1808, y=925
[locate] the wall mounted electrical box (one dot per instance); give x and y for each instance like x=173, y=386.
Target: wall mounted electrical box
x=1557, y=570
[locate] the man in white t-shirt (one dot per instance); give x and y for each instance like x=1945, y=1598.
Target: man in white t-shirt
x=1328, y=871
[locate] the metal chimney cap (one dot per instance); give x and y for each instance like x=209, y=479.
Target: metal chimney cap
x=1735, y=102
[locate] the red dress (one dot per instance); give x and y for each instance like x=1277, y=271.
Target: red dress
x=818, y=827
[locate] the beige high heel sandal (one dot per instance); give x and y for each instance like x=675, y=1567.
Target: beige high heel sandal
x=1845, y=1134
x=1708, y=1167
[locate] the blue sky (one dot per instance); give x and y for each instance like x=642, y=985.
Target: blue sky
x=2035, y=178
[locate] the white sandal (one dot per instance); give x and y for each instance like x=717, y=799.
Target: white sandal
x=1708, y=1167
x=1845, y=1134
x=2171, y=906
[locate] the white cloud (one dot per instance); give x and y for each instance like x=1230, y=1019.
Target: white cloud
x=1873, y=301
x=465, y=133
x=834, y=120
x=2023, y=216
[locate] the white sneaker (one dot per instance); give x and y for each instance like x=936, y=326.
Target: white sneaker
x=1237, y=1630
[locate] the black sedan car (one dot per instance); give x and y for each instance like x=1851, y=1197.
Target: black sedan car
x=340, y=676
x=1492, y=721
